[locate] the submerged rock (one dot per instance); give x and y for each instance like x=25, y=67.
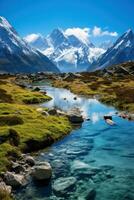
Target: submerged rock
x=63, y=185
x=90, y=194
x=79, y=165
x=42, y=171
x=83, y=170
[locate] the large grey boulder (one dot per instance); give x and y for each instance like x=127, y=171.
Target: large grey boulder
x=14, y=180
x=63, y=185
x=42, y=171
x=74, y=116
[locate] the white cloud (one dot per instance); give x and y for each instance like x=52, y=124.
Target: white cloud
x=81, y=33
x=97, y=32
x=32, y=37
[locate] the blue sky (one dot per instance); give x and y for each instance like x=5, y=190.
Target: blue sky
x=42, y=16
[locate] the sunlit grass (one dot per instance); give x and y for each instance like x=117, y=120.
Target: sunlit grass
x=115, y=91
x=26, y=121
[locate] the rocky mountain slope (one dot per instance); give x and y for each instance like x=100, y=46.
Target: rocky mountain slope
x=123, y=69
x=17, y=56
x=121, y=51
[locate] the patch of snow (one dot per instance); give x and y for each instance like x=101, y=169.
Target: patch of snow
x=95, y=53
x=128, y=43
x=118, y=44
x=48, y=51
x=69, y=55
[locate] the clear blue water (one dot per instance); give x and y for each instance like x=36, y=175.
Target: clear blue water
x=95, y=144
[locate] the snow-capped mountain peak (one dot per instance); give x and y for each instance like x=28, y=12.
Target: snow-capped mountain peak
x=37, y=40
x=125, y=40
x=57, y=38
x=121, y=51
x=18, y=56
x=128, y=32
x=4, y=23
x=68, y=51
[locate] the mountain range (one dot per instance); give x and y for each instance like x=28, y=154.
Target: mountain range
x=59, y=52
x=16, y=56
x=68, y=52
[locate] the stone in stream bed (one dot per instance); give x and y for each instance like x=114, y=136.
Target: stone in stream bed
x=42, y=171
x=60, y=167
x=75, y=118
x=90, y=194
x=64, y=185
x=120, y=187
x=82, y=169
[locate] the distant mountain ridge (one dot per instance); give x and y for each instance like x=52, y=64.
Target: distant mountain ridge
x=68, y=52
x=121, y=51
x=17, y=56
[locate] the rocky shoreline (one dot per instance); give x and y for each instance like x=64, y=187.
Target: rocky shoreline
x=25, y=166
x=20, y=172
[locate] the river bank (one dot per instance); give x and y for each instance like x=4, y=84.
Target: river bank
x=23, y=128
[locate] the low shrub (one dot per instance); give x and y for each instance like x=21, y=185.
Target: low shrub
x=10, y=120
x=14, y=137
x=32, y=100
x=4, y=97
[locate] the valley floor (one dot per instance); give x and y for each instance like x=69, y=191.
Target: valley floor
x=114, y=90
x=23, y=128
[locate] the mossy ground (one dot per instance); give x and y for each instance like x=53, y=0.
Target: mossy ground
x=26, y=121
x=116, y=91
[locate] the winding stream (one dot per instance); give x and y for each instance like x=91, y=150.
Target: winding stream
x=100, y=157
